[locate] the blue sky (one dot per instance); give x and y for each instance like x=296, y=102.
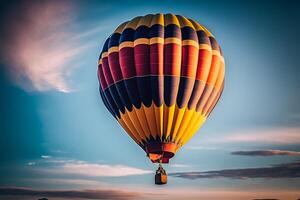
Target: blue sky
x=55, y=133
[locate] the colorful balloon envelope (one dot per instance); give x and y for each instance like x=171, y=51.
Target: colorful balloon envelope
x=160, y=76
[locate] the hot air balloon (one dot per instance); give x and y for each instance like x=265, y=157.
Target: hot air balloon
x=160, y=76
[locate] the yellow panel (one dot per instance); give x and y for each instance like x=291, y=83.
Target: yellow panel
x=133, y=23
x=188, y=117
x=171, y=19
x=157, y=40
x=178, y=116
x=190, y=43
x=121, y=28
x=135, y=121
x=158, y=19
x=130, y=126
x=196, y=25
x=150, y=116
x=142, y=120
x=191, y=132
x=199, y=27
x=113, y=49
x=159, y=118
x=172, y=40
x=168, y=119
x=126, y=44
x=184, y=22
x=141, y=41
x=145, y=21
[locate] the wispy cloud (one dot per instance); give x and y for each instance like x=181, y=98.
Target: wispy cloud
x=82, y=168
x=41, y=49
x=179, y=165
x=89, y=169
x=45, y=156
x=280, y=136
x=31, y=163
x=288, y=170
x=70, y=194
x=266, y=153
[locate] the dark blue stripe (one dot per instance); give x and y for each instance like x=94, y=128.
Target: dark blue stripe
x=157, y=89
x=105, y=46
x=172, y=30
x=127, y=35
x=142, y=32
x=111, y=102
x=105, y=102
x=189, y=34
x=133, y=92
x=202, y=37
x=144, y=86
x=123, y=95
x=214, y=44
x=115, y=95
x=157, y=30
x=185, y=90
x=171, y=85
x=114, y=40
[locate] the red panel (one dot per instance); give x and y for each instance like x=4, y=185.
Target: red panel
x=127, y=62
x=189, y=61
x=114, y=66
x=142, y=59
x=157, y=59
x=106, y=71
x=101, y=77
x=172, y=59
x=204, y=62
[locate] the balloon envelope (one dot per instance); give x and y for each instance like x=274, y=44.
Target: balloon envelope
x=160, y=76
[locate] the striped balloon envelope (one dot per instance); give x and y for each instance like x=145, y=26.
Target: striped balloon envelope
x=160, y=77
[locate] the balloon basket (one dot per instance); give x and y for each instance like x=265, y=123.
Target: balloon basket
x=161, y=176
x=161, y=179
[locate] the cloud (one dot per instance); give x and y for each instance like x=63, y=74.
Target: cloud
x=45, y=156
x=90, y=169
x=288, y=170
x=179, y=165
x=41, y=49
x=266, y=153
x=280, y=136
x=31, y=163
x=82, y=168
x=70, y=194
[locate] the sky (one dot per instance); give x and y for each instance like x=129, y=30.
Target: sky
x=58, y=141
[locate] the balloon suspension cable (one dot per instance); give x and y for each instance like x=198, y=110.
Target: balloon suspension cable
x=160, y=167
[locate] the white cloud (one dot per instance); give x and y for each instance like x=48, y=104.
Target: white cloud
x=41, y=49
x=31, y=163
x=280, y=136
x=91, y=169
x=81, y=168
x=179, y=165
x=45, y=156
